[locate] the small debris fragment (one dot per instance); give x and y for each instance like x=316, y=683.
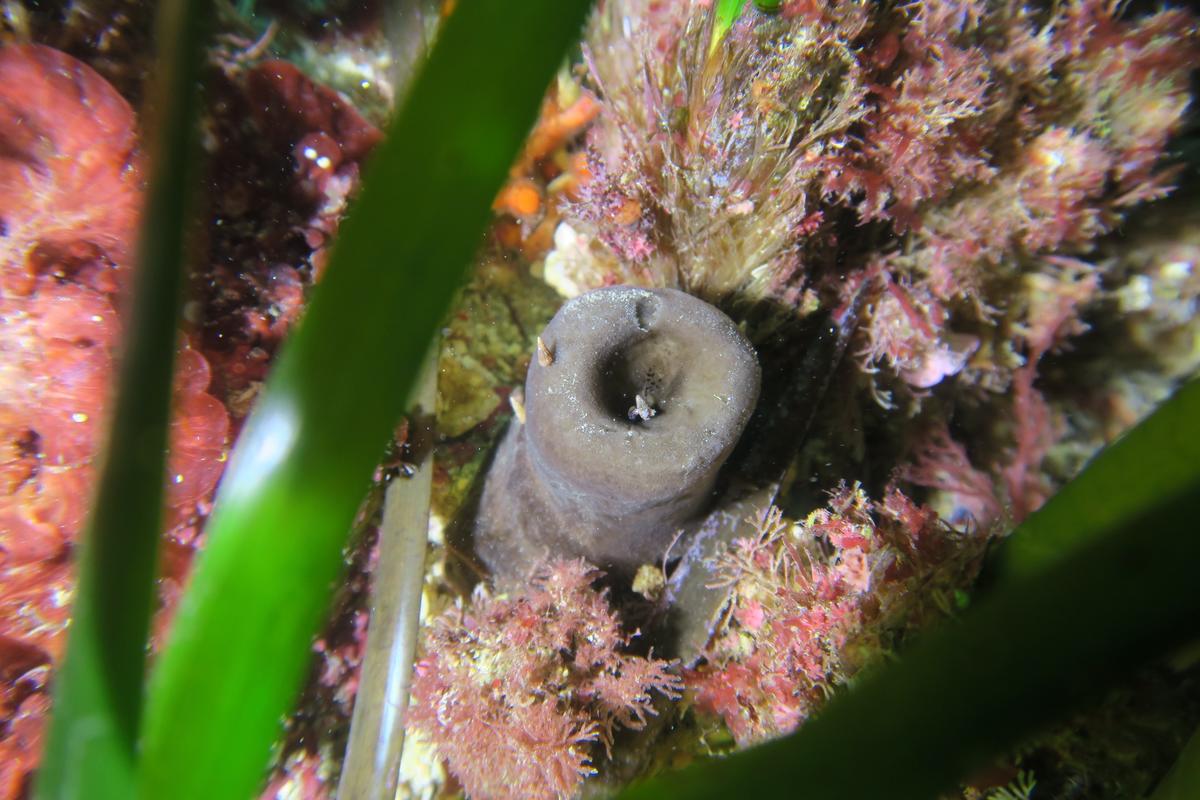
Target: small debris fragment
x=650, y=582
x=544, y=355
x=642, y=408
x=517, y=401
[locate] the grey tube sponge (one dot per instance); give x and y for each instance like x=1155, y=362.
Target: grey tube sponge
x=634, y=402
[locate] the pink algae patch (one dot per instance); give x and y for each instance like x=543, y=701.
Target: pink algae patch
x=810, y=604
x=517, y=692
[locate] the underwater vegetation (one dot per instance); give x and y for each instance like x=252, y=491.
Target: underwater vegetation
x=995, y=141
x=513, y=692
x=803, y=620
x=989, y=196
x=949, y=171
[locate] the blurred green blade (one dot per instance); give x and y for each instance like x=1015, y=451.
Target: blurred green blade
x=98, y=687
x=1183, y=781
x=239, y=648
x=1037, y=645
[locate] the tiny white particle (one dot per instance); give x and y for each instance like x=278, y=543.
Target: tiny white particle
x=324, y=163
x=178, y=479
x=97, y=318
x=310, y=153
x=1137, y=295
x=1177, y=270
x=79, y=417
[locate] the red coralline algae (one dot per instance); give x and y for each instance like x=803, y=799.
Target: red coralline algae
x=70, y=195
x=994, y=136
x=281, y=179
x=811, y=604
x=1016, y=486
x=516, y=692
x=284, y=100
x=903, y=336
x=1063, y=126
x=924, y=134
x=979, y=152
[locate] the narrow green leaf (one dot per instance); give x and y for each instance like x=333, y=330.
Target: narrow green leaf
x=98, y=688
x=727, y=12
x=239, y=647
x=1040, y=643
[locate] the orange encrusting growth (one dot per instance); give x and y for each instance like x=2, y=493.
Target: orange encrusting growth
x=548, y=170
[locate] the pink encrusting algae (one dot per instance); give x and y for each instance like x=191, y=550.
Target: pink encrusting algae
x=72, y=193
x=70, y=197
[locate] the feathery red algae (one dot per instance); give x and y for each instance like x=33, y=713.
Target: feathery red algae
x=516, y=692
